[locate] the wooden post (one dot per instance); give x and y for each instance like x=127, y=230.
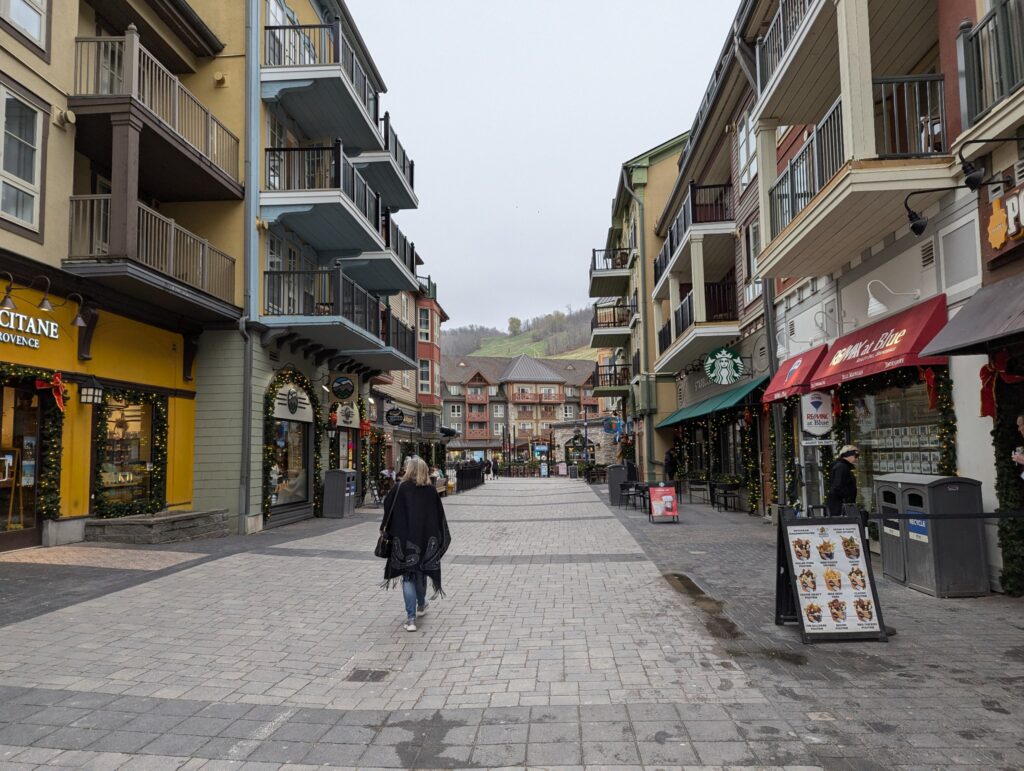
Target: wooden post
x=130, y=61
x=124, y=185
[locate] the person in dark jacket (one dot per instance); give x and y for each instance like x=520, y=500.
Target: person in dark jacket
x=670, y=464
x=842, y=486
x=419, y=538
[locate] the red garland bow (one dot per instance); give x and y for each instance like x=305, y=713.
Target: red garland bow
x=990, y=374
x=56, y=386
x=365, y=427
x=837, y=405
x=928, y=376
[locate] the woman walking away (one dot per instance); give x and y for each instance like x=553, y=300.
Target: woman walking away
x=417, y=529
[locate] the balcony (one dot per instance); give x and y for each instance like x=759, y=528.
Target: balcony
x=327, y=310
x=477, y=433
x=992, y=66
x=611, y=380
x=184, y=152
x=391, y=171
x=312, y=71
x=609, y=272
x=702, y=321
x=555, y=398
x=609, y=328
x=476, y=398
x=164, y=264
x=525, y=397
x=825, y=208
x=704, y=229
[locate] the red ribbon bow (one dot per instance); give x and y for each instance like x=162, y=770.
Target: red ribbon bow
x=990, y=374
x=928, y=376
x=837, y=404
x=56, y=386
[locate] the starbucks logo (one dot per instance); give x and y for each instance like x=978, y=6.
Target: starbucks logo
x=723, y=366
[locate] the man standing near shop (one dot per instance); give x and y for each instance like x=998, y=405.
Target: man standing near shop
x=842, y=488
x=670, y=466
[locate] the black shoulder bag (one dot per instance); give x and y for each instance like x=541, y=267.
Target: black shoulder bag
x=383, y=547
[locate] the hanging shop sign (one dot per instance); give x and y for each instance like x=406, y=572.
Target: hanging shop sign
x=1003, y=221
x=831, y=580
x=348, y=415
x=26, y=331
x=724, y=366
x=343, y=387
x=394, y=416
x=292, y=403
x=816, y=413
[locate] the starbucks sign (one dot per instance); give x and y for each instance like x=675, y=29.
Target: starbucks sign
x=724, y=366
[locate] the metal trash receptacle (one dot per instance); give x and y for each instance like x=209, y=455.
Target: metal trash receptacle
x=334, y=493
x=943, y=557
x=351, y=485
x=894, y=554
x=616, y=476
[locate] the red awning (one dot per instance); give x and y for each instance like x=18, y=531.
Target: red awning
x=887, y=344
x=794, y=374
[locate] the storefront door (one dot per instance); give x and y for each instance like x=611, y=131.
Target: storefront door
x=19, y=451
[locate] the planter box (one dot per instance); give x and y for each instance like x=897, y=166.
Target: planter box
x=159, y=528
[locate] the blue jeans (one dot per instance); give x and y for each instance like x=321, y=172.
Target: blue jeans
x=414, y=589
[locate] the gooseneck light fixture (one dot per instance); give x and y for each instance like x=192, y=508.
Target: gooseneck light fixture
x=876, y=307
x=45, y=304
x=974, y=174
x=7, y=303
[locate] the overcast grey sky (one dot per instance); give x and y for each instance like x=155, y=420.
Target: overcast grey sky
x=518, y=116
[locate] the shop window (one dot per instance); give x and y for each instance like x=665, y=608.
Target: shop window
x=125, y=457
x=732, y=449
x=289, y=479
x=19, y=174
x=19, y=453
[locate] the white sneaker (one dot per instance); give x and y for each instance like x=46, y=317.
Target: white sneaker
x=422, y=611
x=410, y=626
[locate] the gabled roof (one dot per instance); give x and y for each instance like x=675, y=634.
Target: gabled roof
x=461, y=369
x=523, y=369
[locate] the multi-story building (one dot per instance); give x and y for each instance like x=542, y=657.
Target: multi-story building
x=121, y=243
x=497, y=404
x=621, y=276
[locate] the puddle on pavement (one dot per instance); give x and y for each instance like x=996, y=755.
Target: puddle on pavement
x=721, y=627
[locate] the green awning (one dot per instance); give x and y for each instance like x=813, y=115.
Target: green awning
x=722, y=401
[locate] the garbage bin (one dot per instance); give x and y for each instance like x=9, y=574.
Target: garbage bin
x=335, y=491
x=616, y=475
x=941, y=557
x=894, y=557
x=351, y=485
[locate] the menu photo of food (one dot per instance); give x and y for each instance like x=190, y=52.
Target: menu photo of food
x=831, y=572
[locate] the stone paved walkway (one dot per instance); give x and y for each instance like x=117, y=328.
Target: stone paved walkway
x=560, y=644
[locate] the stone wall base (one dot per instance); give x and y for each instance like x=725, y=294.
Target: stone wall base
x=163, y=527
x=60, y=532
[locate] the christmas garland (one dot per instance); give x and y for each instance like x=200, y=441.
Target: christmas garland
x=157, y=499
x=751, y=466
x=280, y=380
x=1009, y=492
x=51, y=433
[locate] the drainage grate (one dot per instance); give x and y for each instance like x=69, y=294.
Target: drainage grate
x=367, y=675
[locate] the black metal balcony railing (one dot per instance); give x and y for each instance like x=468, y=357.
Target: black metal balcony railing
x=912, y=116
x=393, y=146
x=611, y=375
x=400, y=246
x=311, y=45
x=664, y=337
x=320, y=293
x=772, y=46
x=291, y=169
x=719, y=305
x=401, y=337
x=703, y=204
x=817, y=161
x=991, y=58
x=611, y=316
x=636, y=363
x=609, y=259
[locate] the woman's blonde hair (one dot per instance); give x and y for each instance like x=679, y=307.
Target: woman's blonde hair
x=416, y=471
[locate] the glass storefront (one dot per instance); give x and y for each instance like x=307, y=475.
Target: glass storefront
x=896, y=433
x=289, y=476
x=19, y=454
x=126, y=457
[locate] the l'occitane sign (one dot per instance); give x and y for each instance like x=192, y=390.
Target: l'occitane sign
x=26, y=331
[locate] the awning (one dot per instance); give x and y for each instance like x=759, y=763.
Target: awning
x=887, y=344
x=794, y=374
x=994, y=313
x=722, y=401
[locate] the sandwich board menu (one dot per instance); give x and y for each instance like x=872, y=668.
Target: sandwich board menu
x=663, y=503
x=831, y=578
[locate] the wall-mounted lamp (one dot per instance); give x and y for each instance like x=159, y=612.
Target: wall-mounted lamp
x=918, y=222
x=90, y=391
x=974, y=174
x=876, y=307
x=7, y=303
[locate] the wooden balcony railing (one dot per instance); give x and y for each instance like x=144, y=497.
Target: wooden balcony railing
x=555, y=397
x=525, y=397
x=991, y=58
x=121, y=66
x=313, y=45
x=476, y=398
x=703, y=203
x=162, y=245
x=611, y=375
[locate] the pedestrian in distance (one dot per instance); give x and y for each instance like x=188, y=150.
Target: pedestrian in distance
x=670, y=464
x=842, y=487
x=495, y=468
x=417, y=529
x=487, y=469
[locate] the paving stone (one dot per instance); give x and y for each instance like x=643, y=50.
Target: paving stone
x=672, y=754
x=514, y=733
x=610, y=753
x=123, y=741
x=554, y=732
x=335, y=754
x=553, y=754
x=607, y=732
x=280, y=752
x=175, y=745
x=498, y=755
